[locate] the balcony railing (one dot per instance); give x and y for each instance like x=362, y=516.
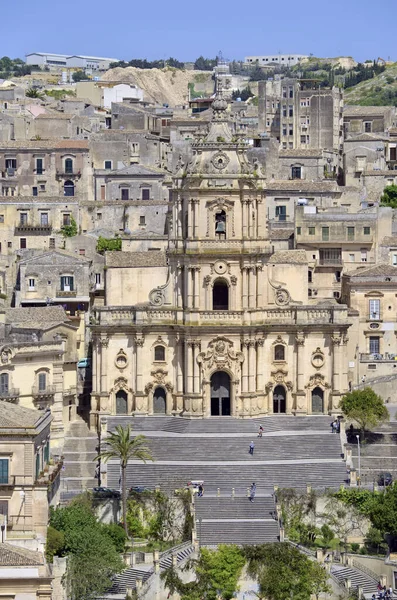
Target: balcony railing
x=8, y=173
x=39, y=393
x=64, y=175
x=376, y=357
x=67, y=293
x=33, y=228
x=11, y=395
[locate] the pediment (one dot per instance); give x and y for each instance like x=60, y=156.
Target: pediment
x=55, y=258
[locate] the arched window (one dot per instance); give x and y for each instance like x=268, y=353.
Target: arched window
x=220, y=224
x=42, y=382
x=68, y=188
x=4, y=383
x=159, y=353
x=220, y=295
x=279, y=352
x=68, y=165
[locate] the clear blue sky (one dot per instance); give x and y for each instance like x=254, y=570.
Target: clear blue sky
x=152, y=29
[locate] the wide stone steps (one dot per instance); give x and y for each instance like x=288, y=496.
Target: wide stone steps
x=234, y=508
x=171, y=476
x=80, y=450
x=185, y=448
x=222, y=424
x=357, y=578
x=211, y=533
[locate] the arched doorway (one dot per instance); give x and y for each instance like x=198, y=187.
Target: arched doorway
x=159, y=401
x=220, y=295
x=279, y=399
x=317, y=400
x=68, y=188
x=220, y=394
x=121, y=402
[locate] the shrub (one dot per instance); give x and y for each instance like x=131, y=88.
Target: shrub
x=55, y=543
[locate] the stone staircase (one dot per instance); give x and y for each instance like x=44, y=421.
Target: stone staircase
x=357, y=577
x=236, y=520
x=293, y=452
x=378, y=453
x=79, y=465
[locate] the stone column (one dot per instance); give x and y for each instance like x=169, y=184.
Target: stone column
x=260, y=218
x=196, y=281
x=189, y=366
x=336, y=344
x=179, y=217
x=196, y=217
x=233, y=281
x=244, y=272
x=300, y=366
x=244, y=382
x=94, y=364
x=179, y=286
x=252, y=288
x=244, y=204
x=139, y=341
x=259, y=364
x=207, y=291
x=196, y=368
x=259, y=300
x=179, y=369
x=252, y=367
x=104, y=342
x=250, y=220
x=189, y=282
x=190, y=219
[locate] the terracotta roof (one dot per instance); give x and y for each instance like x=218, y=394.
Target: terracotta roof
x=55, y=115
x=292, y=257
x=15, y=416
x=35, y=314
x=381, y=270
x=42, y=144
x=363, y=111
x=136, y=259
x=281, y=234
x=309, y=152
x=367, y=137
x=14, y=556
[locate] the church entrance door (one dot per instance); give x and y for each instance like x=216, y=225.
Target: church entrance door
x=279, y=400
x=159, y=402
x=220, y=394
x=121, y=402
x=317, y=400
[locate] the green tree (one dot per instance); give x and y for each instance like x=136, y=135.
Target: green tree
x=389, y=196
x=108, y=245
x=55, y=543
x=364, y=407
x=383, y=510
x=327, y=534
x=79, y=76
x=375, y=540
x=69, y=230
x=33, y=93
x=205, y=64
x=257, y=74
x=121, y=446
x=117, y=534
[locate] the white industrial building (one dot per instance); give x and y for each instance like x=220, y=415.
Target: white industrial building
x=287, y=60
x=54, y=61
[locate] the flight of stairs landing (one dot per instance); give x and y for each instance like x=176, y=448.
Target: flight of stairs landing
x=236, y=520
x=357, y=578
x=79, y=453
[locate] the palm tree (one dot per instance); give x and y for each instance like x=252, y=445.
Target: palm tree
x=120, y=445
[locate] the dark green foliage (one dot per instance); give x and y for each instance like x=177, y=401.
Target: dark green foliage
x=117, y=534
x=375, y=542
x=205, y=64
x=355, y=547
x=327, y=534
x=362, y=73
x=257, y=74
x=13, y=67
x=108, y=245
x=244, y=94
x=55, y=543
x=364, y=407
x=142, y=63
x=389, y=196
x=79, y=76
x=69, y=230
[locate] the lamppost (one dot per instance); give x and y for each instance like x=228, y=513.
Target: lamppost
x=200, y=520
x=359, y=459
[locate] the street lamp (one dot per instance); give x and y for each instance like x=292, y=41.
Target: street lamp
x=199, y=540
x=359, y=458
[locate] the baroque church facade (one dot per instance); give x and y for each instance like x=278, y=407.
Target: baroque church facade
x=217, y=323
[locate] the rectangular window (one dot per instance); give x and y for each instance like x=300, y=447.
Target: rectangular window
x=31, y=285
x=67, y=283
x=331, y=256
x=394, y=260
x=108, y=164
x=11, y=165
x=42, y=187
x=351, y=257
x=284, y=111
x=42, y=382
x=4, y=507
x=363, y=255
x=23, y=218
x=298, y=230
x=98, y=278
x=66, y=219
x=284, y=130
x=374, y=345
x=291, y=130
x=34, y=191
x=82, y=251
x=52, y=243
x=125, y=193
x=145, y=194
x=350, y=234
x=142, y=221
x=39, y=166
x=325, y=234
x=374, y=310
x=22, y=243
x=103, y=192
x=367, y=230
x=1, y=218
x=367, y=126
x=4, y=470
x=290, y=111
x=43, y=219
x=296, y=172
x=4, y=383
x=312, y=231
x=281, y=213
x=9, y=244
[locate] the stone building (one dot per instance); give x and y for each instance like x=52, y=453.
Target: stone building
x=367, y=119
x=217, y=325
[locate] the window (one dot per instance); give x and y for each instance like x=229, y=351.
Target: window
x=220, y=224
x=291, y=92
x=284, y=111
x=296, y=172
x=281, y=213
x=374, y=309
x=298, y=230
x=98, y=278
x=331, y=256
x=125, y=194
x=336, y=295
x=42, y=187
x=142, y=220
x=367, y=126
x=11, y=165
x=82, y=251
x=9, y=244
x=22, y=243
x=1, y=218
x=325, y=234
x=4, y=470
x=145, y=194
x=351, y=257
x=42, y=382
x=350, y=234
x=68, y=188
x=108, y=164
x=374, y=344
x=52, y=243
x=337, y=276
x=291, y=130
x=220, y=295
x=103, y=192
x=279, y=352
x=34, y=191
x=66, y=219
x=4, y=383
x=39, y=166
x=68, y=165
x=363, y=255
x=394, y=260
x=31, y=284
x=312, y=231
x=159, y=353
x=43, y=219
x=367, y=230
x=23, y=218
x=284, y=130
x=290, y=111
x=67, y=283
x=310, y=276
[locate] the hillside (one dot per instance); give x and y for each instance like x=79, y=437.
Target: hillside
x=163, y=85
x=379, y=91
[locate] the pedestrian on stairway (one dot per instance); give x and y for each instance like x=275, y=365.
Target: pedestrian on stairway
x=260, y=431
x=200, y=490
x=391, y=591
x=251, y=450
x=252, y=492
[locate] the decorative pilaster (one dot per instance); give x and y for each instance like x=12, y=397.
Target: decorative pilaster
x=244, y=210
x=259, y=364
x=244, y=381
x=139, y=342
x=179, y=217
x=104, y=343
x=189, y=276
x=259, y=299
x=190, y=217
x=233, y=281
x=300, y=393
x=196, y=368
x=207, y=291
x=195, y=203
x=252, y=366
x=196, y=287
x=244, y=272
x=252, y=288
x=189, y=345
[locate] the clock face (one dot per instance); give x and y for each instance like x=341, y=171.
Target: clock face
x=220, y=160
x=220, y=267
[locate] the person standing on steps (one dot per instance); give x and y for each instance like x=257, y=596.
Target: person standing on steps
x=252, y=492
x=260, y=431
x=251, y=450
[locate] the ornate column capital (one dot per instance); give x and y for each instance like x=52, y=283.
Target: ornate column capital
x=260, y=342
x=139, y=341
x=300, y=338
x=233, y=280
x=207, y=280
x=104, y=342
x=336, y=339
